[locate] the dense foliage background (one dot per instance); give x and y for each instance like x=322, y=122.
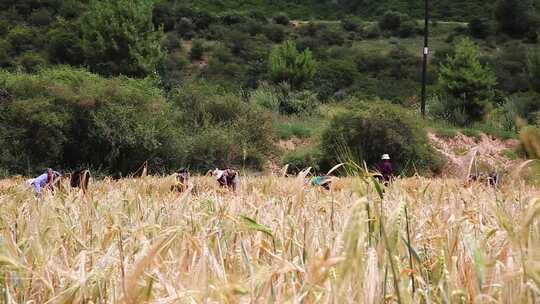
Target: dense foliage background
x=110, y=84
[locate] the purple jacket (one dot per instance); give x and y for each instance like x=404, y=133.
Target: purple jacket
x=385, y=167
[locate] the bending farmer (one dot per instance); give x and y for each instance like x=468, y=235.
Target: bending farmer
x=44, y=180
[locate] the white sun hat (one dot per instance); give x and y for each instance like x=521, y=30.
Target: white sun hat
x=385, y=157
x=218, y=173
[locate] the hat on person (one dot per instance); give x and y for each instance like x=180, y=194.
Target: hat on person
x=385, y=157
x=218, y=173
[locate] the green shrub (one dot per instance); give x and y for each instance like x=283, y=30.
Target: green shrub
x=4, y=27
x=525, y=106
x=197, y=50
x=471, y=133
x=331, y=37
x=301, y=159
x=185, y=28
x=31, y=62
x=305, y=43
x=479, y=28
x=372, y=31
x=533, y=68
x=504, y=117
x=508, y=66
x=172, y=42
x=266, y=97
x=288, y=130
x=296, y=102
x=351, y=24
x=41, y=17
x=5, y=57
x=407, y=29
x=64, y=45
x=223, y=129
x=445, y=132
x=163, y=15
x=70, y=9
x=21, y=38
x=275, y=32
x=70, y=117
x=390, y=21
x=232, y=18
x=252, y=27
x=334, y=75
x=282, y=19
x=257, y=15
x=493, y=129
x=311, y=29
x=513, y=16
x=173, y=68
x=238, y=43
x=375, y=129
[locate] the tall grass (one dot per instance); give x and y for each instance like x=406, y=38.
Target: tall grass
x=134, y=241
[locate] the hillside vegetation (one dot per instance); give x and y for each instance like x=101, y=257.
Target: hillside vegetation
x=217, y=83
x=334, y=9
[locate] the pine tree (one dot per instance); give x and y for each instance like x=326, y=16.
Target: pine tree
x=469, y=83
x=119, y=37
x=289, y=65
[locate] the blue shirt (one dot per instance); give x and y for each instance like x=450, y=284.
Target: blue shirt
x=40, y=182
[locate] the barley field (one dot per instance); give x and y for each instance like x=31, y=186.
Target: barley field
x=275, y=240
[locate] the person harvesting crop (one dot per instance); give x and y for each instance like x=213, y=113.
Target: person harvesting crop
x=385, y=168
x=227, y=178
x=45, y=180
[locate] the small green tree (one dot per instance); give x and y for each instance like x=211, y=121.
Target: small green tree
x=289, y=65
x=467, y=82
x=119, y=37
x=533, y=68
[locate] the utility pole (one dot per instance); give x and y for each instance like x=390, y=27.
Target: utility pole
x=424, y=63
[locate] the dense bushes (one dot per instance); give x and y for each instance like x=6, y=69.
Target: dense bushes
x=392, y=76
x=332, y=76
x=65, y=117
x=221, y=128
x=70, y=117
x=514, y=17
x=301, y=159
x=281, y=19
x=374, y=129
x=479, y=28
x=397, y=24
x=244, y=66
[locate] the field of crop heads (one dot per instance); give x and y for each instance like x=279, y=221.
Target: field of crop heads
x=273, y=241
